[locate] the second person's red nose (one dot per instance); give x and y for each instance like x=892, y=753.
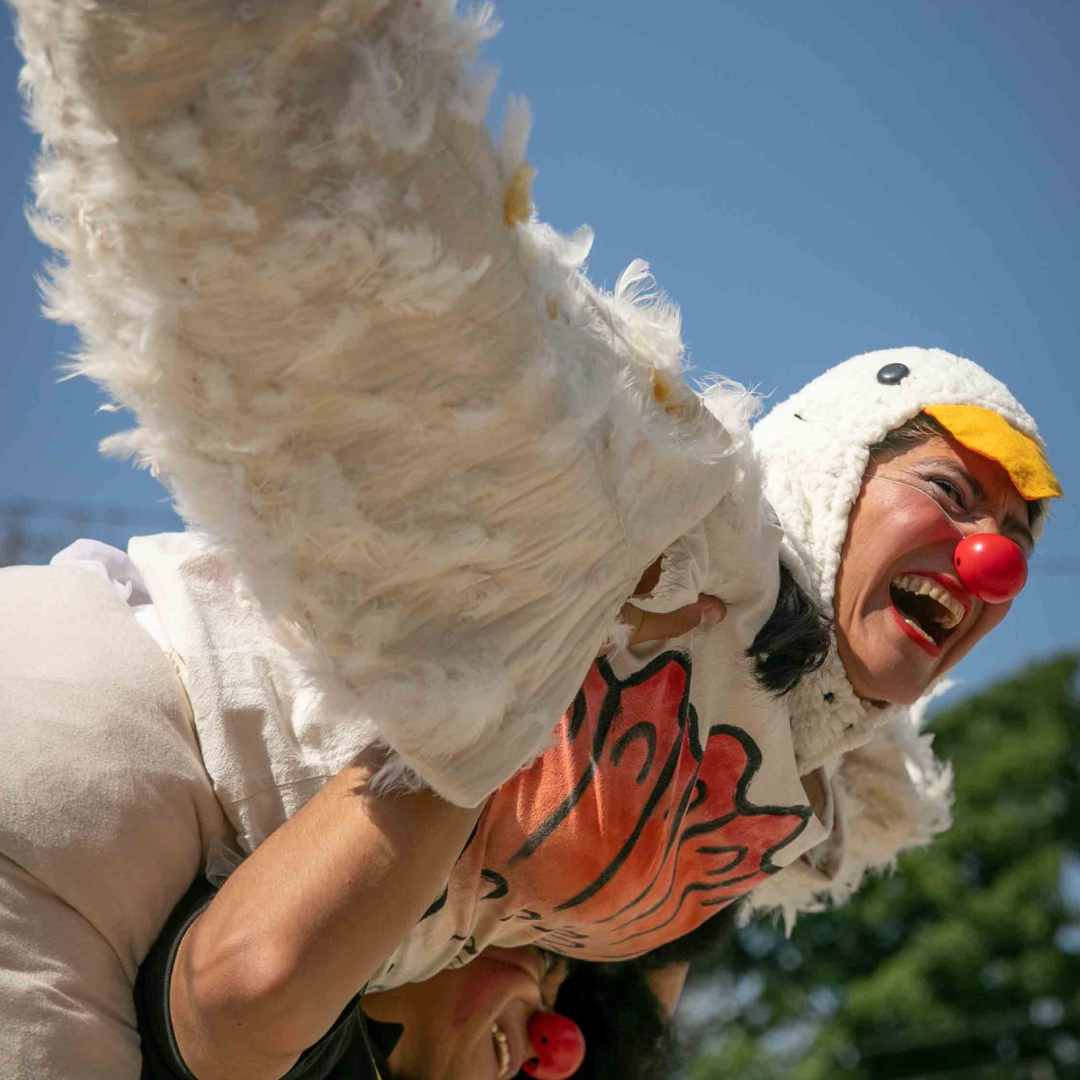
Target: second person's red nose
x=559, y=1046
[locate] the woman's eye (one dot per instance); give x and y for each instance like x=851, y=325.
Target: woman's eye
x=949, y=488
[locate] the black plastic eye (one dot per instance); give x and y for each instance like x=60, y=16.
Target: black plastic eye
x=891, y=374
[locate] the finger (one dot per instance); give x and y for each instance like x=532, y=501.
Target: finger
x=713, y=609
x=706, y=610
x=701, y=613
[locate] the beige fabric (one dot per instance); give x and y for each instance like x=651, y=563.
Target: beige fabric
x=106, y=815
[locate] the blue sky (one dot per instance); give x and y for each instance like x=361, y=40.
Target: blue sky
x=809, y=181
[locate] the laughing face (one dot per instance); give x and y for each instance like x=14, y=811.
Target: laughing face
x=470, y=1021
x=902, y=615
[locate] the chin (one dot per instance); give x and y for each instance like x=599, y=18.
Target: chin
x=897, y=690
x=899, y=677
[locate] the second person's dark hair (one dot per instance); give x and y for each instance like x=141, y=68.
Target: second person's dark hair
x=625, y=1035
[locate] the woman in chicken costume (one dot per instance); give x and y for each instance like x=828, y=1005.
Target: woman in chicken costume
x=426, y=462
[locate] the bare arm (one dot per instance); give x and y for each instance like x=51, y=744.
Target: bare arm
x=304, y=922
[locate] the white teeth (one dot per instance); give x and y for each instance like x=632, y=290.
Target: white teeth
x=502, y=1048
x=918, y=629
x=920, y=586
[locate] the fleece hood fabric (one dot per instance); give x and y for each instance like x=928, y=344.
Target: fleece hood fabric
x=815, y=446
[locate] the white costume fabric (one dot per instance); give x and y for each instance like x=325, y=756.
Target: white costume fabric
x=428, y=460
x=292, y=249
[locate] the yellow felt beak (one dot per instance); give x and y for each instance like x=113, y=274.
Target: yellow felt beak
x=989, y=434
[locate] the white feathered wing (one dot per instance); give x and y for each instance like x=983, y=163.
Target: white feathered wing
x=437, y=454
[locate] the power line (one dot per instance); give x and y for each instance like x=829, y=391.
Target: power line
x=72, y=511
x=33, y=530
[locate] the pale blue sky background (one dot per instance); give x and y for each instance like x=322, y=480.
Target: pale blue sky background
x=808, y=180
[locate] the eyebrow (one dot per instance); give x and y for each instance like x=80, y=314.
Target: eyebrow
x=980, y=493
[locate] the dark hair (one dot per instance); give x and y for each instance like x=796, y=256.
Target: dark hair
x=794, y=642
x=626, y=1036
x=918, y=429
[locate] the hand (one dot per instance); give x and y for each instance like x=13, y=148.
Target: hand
x=655, y=626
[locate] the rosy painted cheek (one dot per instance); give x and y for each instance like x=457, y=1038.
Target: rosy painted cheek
x=478, y=993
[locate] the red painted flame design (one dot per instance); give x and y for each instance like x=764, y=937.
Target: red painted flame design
x=628, y=832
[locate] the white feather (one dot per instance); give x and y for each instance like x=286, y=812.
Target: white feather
x=284, y=239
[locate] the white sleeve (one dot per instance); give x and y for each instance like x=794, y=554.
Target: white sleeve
x=109, y=563
x=683, y=569
x=432, y=446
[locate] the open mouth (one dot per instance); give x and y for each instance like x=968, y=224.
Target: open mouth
x=926, y=607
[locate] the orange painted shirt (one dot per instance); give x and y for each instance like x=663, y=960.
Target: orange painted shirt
x=628, y=832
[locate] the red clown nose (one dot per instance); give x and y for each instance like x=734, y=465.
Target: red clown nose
x=991, y=566
x=559, y=1046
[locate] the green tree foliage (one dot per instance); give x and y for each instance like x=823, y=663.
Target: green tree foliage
x=966, y=962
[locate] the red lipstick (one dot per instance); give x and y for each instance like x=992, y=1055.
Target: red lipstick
x=920, y=639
